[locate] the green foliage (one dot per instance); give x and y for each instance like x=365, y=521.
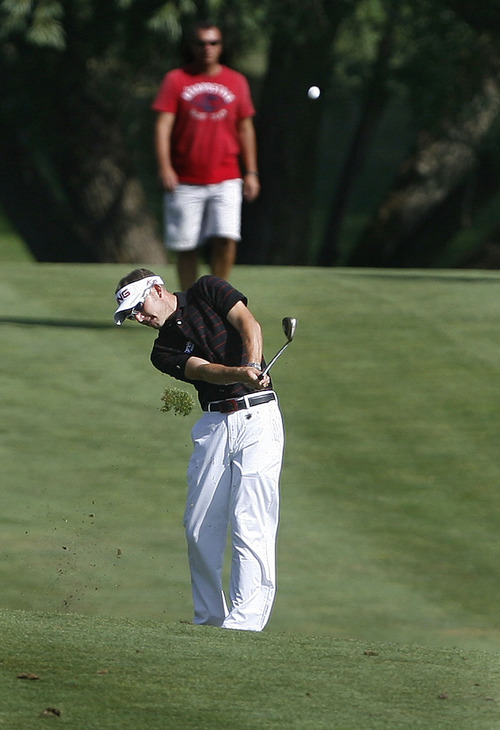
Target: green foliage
x=15, y=14
x=427, y=37
x=434, y=38
x=166, y=20
x=302, y=20
x=356, y=44
x=41, y=20
x=47, y=29
x=177, y=400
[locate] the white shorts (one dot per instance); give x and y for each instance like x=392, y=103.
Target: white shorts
x=194, y=213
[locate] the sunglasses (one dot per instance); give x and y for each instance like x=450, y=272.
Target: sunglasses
x=140, y=305
x=202, y=44
x=136, y=310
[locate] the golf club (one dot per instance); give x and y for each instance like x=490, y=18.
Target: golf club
x=289, y=328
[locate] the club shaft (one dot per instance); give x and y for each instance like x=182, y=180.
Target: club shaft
x=269, y=365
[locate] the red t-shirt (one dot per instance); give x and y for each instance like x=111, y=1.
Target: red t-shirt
x=204, y=145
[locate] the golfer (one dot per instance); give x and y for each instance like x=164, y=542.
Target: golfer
x=208, y=337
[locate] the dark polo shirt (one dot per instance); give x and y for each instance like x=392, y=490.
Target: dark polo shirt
x=199, y=327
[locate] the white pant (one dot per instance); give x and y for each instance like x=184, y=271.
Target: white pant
x=233, y=479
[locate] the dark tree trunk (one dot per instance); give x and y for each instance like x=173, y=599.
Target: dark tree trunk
x=97, y=211
x=277, y=225
x=66, y=178
x=278, y=222
x=109, y=209
x=373, y=105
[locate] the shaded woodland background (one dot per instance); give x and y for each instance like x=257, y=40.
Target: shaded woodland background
x=397, y=164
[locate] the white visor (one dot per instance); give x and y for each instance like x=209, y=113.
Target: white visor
x=130, y=295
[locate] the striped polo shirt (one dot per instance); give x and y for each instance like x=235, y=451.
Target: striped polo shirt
x=199, y=328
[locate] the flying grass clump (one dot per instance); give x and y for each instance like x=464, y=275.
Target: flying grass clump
x=177, y=400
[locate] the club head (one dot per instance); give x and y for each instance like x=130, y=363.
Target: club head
x=289, y=327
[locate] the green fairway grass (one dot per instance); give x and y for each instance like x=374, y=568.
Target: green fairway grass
x=85, y=672
x=390, y=499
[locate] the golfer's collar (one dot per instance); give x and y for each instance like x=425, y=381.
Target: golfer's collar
x=176, y=317
x=181, y=299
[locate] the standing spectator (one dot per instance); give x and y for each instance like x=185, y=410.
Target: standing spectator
x=204, y=138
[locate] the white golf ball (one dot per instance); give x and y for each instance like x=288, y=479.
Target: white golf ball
x=314, y=92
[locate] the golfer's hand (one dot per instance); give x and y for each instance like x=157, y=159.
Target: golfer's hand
x=257, y=380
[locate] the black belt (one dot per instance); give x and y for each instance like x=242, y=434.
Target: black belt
x=238, y=404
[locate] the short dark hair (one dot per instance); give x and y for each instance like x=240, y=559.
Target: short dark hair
x=135, y=275
x=202, y=25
